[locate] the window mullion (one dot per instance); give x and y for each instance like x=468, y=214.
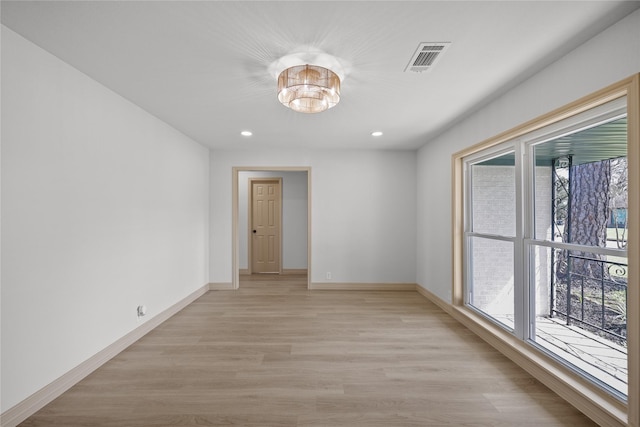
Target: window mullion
x=519, y=265
x=529, y=209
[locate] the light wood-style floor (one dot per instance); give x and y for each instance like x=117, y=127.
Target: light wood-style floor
x=275, y=354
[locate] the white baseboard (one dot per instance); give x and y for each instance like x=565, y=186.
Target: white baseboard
x=222, y=286
x=29, y=406
x=352, y=286
x=246, y=271
x=294, y=271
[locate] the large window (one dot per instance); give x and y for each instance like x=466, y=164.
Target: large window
x=543, y=214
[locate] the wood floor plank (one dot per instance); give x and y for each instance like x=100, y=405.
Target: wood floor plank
x=276, y=354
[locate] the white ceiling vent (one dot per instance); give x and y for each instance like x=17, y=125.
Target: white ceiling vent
x=426, y=56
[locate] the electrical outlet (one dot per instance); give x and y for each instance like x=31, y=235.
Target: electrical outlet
x=141, y=310
x=328, y=275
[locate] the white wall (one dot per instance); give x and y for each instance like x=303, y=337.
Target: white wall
x=294, y=216
x=609, y=57
x=104, y=207
x=363, y=212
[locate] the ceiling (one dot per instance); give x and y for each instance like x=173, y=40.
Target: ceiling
x=206, y=67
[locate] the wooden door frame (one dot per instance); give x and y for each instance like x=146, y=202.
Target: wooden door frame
x=251, y=180
x=235, y=246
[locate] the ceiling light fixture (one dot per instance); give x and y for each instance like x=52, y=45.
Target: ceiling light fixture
x=308, y=88
x=376, y=133
x=246, y=133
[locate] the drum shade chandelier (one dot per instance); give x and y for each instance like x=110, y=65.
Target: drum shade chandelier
x=308, y=88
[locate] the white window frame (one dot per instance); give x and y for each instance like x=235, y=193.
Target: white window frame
x=479, y=157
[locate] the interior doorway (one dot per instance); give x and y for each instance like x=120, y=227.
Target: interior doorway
x=296, y=253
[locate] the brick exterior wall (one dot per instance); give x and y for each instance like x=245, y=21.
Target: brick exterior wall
x=494, y=211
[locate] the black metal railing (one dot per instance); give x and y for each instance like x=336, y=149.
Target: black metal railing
x=591, y=293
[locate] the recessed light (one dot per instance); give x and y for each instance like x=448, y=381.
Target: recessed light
x=376, y=133
x=246, y=133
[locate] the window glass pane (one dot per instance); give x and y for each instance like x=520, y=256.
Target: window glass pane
x=580, y=311
x=491, y=287
x=493, y=196
x=581, y=186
